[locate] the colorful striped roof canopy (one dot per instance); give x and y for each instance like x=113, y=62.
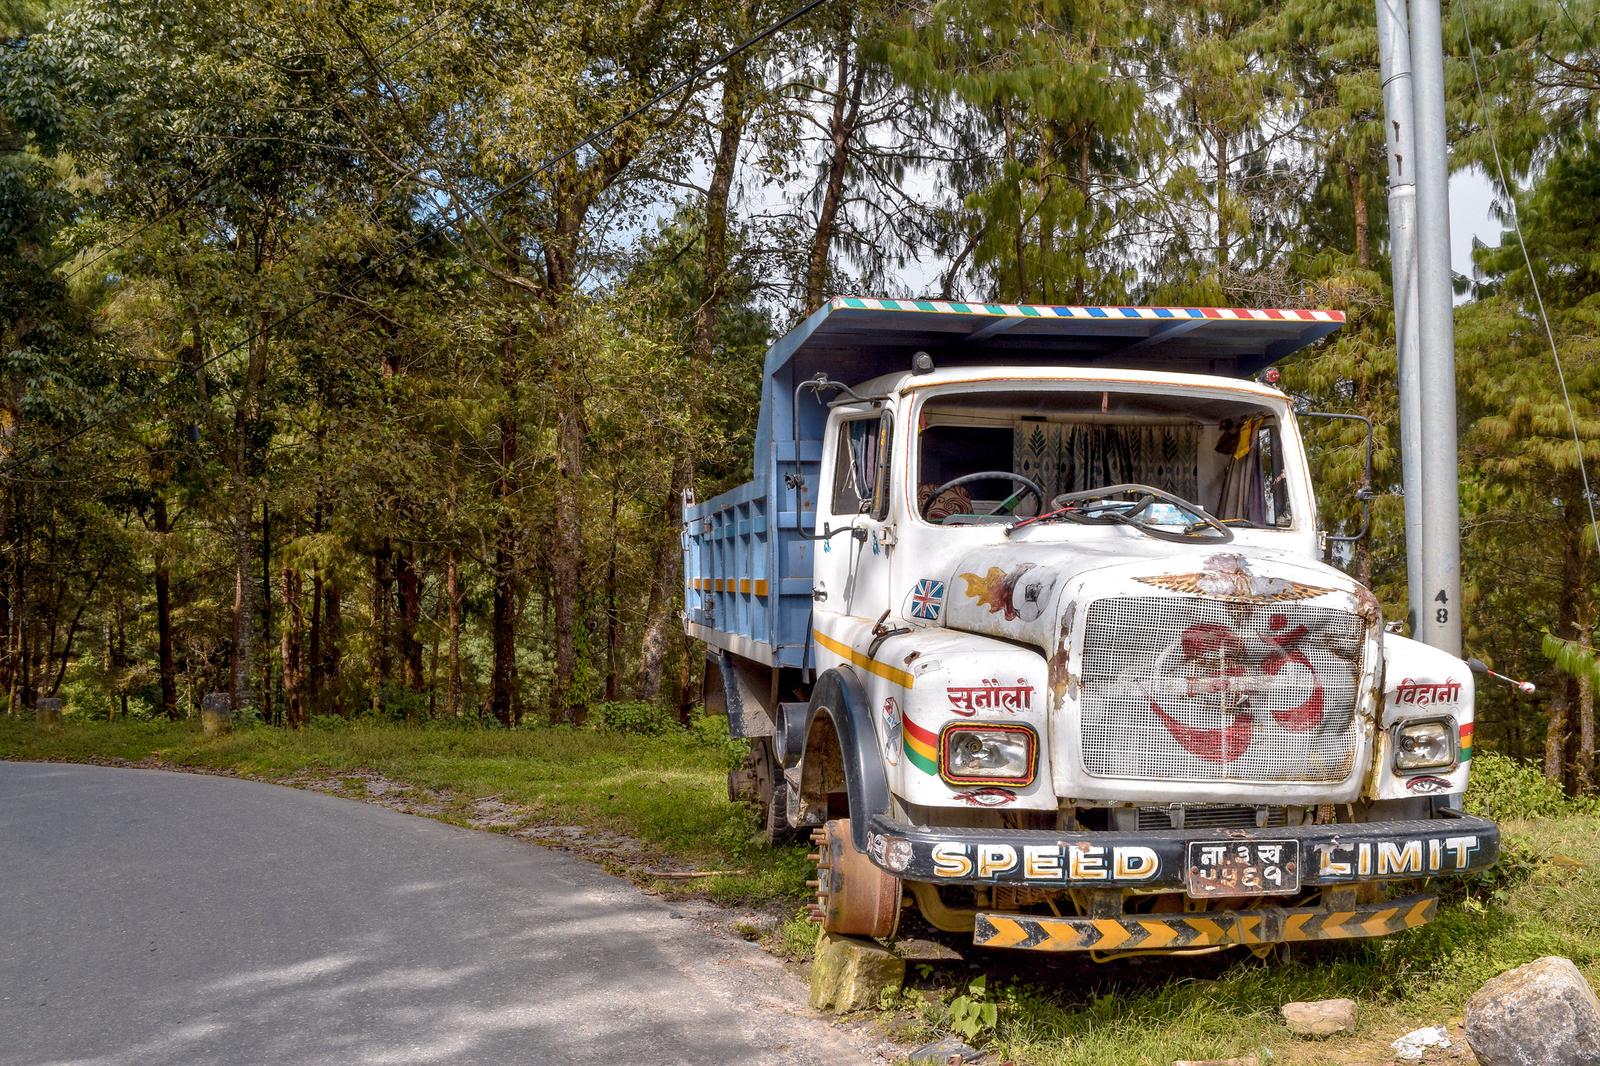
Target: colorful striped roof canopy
x=857, y=338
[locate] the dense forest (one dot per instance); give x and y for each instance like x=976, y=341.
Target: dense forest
x=354, y=357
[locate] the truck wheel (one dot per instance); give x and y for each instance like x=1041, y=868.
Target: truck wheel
x=854, y=897
x=759, y=780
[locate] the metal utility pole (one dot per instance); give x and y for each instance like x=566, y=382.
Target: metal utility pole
x=1394, y=66
x=1440, y=621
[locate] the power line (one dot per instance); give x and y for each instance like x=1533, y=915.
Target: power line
x=428, y=233
x=1533, y=280
x=220, y=173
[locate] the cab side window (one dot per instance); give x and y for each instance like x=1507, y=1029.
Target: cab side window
x=861, y=467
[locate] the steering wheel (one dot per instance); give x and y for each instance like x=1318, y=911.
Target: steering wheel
x=1027, y=483
x=1216, y=531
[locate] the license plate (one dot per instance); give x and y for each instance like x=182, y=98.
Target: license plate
x=1244, y=868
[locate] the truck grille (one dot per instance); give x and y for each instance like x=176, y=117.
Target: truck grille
x=1211, y=816
x=1192, y=689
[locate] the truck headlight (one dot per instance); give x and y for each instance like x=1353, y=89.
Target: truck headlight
x=987, y=754
x=1424, y=745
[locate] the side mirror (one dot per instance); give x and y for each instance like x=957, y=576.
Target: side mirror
x=881, y=476
x=1364, y=492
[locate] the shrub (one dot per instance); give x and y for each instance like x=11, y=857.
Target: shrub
x=1504, y=787
x=711, y=731
x=638, y=717
x=397, y=703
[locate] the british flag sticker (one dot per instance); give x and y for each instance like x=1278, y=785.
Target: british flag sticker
x=927, y=599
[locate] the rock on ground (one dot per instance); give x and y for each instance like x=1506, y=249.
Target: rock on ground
x=944, y=1052
x=1415, y=1045
x=852, y=974
x=1540, y=1014
x=1323, y=1017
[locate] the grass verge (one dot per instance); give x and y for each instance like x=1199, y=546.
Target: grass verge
x=667, y=792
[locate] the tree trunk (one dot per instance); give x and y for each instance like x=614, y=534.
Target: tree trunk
x=1222, y=197
x=452, y=592
x=166, y=669
x=17, y=696
x=294, y=678
x=503, y=702
x=567, y=556
x=268, y=711
x=315, y=676
x=612, y=607
x=1363, y=228
x=382, y=598
x=333, y=698
x=245, y=608
x=841, y=128
x=409, y=600
x=1567, y=627
x=1555, y=739
x=1585, y=762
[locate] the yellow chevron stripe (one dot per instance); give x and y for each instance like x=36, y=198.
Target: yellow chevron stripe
x=1247, y=929
x=1159, y=934
x=1113, y=934
x=1007, y=932
x=1059, y=936
x=1421, y=913
x=1334, y=925
x=1295, y=925
x=1210, y=932
x=1379, y=923
x=872, y=666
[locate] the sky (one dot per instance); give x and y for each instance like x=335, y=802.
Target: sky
x=1471, y=197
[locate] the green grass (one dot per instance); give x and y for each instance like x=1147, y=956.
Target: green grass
x=669, y=792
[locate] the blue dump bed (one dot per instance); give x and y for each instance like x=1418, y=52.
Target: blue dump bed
x=746, y=561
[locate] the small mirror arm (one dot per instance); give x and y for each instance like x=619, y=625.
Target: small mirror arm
x=794, y=479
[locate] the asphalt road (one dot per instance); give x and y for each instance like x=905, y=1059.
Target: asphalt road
x=159, y=918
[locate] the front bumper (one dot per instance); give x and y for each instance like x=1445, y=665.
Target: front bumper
x=1341, y=853
x=1179, y=932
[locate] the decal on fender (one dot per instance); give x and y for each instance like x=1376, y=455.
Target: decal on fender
x=891, y=731
x=991, y=695
x=921, y=747
x=927, y=599
x=1426, y=693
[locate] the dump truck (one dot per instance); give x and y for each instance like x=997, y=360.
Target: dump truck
x=1030, y=623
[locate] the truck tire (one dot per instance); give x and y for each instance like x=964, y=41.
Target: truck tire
x=854, y=897
x=759, y=780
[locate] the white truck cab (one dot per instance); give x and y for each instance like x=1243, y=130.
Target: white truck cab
x=1038, y=637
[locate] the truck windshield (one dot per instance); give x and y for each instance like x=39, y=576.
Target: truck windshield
x=999, y=456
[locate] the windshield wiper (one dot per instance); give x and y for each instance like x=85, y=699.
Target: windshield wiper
x=1072, y=502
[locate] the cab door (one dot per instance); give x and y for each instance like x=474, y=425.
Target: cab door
x=853, y=560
